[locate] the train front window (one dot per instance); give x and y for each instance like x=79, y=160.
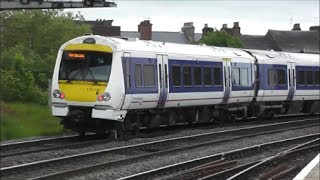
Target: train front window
x=85, y=66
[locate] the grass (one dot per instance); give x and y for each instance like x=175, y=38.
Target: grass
x=19, y=120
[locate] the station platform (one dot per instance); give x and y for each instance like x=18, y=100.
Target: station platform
x=311, y=171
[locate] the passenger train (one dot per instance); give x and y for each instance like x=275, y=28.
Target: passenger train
x=105, y=83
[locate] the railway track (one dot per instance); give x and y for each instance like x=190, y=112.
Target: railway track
x=281, y=165
x=75, y=141
x=224, y=165
x=46, y=144
x=127, y=154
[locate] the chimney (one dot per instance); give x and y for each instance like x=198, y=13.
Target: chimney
x=145, y=30
x=188, y=30
x=104, y=28
x=296, y=27
x=206, y=30
x=236, y=29
x=314, y=28
x=107, y=22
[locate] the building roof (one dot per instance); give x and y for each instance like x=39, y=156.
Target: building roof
x=163, y=36
x=253, y=41
x=296, y=41
x=288, y=41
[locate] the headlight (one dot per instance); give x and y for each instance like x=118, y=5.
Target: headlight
x=57, y=94
x=104, y=97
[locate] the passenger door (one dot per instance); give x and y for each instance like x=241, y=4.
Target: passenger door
x=291, y=79
x=162, y=79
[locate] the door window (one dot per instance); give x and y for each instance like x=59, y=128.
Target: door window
x=148, y=75
x=138, y=75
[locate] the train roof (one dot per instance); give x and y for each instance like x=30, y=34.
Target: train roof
x=292, y=57
x=163, y=47
x=118, y=44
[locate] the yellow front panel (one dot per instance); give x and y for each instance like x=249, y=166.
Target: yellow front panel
x=88, y=47
x=81, y=91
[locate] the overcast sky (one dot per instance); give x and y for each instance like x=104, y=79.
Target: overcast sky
x=254, y=16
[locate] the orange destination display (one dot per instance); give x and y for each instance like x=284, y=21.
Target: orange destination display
x=76, y=55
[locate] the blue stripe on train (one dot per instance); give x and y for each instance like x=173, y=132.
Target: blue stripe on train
x=263, y=77
x=193, y=87
x=305, y=86
x=133, y=89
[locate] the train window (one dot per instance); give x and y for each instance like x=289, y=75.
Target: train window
x=281, y=77
x=207, y=76
x=244, y=77
x=176, y=76
x=187, y=76
x=271, y=77
x=148, y=75
x=300, y=77
x=217, y=76
x=197, y=76
x=138, y=75
x=309, y=77
x=316, y=78
x=236, y=76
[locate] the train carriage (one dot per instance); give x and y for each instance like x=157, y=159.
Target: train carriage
x=101, y=83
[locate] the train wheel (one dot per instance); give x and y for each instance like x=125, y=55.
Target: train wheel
x=82, y=133
x=121, y=131
x=269, y=115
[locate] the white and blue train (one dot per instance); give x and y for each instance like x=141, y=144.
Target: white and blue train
x=102, y=83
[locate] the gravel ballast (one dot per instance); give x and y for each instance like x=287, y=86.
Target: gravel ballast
x=21, y=159
x=156, y=162
x=159, y=161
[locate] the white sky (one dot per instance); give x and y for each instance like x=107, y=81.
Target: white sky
x=254, y=16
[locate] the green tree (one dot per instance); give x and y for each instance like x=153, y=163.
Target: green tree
x=221, y=39
x=30, y=40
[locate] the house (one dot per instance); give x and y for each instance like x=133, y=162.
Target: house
x=294, y=40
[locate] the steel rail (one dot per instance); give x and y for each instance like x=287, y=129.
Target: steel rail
x=144, y=156
x=232, y=171
x=46, y=144
x=238, y=153
x=73, y=145
x=278, y=157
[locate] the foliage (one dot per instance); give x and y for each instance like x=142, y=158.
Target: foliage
x=30, y=40
x=221, y=39
x=20, y=120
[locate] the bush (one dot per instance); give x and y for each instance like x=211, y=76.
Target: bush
x=221, y=39
x=29, y=43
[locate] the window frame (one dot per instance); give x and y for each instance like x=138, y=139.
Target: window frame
x=190, y=74
x=200, y=75
x=307, y=78
x=316, y=77
x=179, y=75
x=233, y=76
x=135, y=75
x=210, y=76
x=298, y=77
x=247, y=76
x=153, y=74
x=273, y=77
x=278, y=77
x=219, y=77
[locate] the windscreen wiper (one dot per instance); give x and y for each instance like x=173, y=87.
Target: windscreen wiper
x=93, y=78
